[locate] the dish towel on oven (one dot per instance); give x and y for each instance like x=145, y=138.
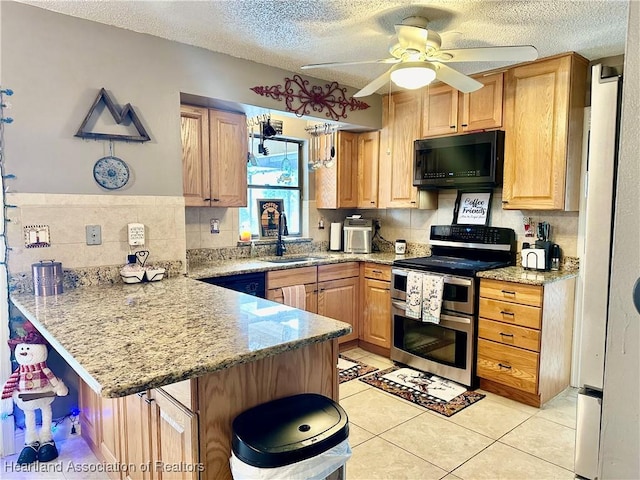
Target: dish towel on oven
x=432, y=287
x=295, y=296
x=414, y=295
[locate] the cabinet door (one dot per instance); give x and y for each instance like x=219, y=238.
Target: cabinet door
x=136, y=435
x=228, y=147
x=339, y=299
x=110, y=435
x=376, y=322
x=401, y=127
x=89, y=402
x=440, y=111
x=194, y=132
x=347, y=164
x=482, y=109
x=368, y=153
x=175, y=438
x=541, y=125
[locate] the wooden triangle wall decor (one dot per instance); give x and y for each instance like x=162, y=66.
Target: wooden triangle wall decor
x=118, y=116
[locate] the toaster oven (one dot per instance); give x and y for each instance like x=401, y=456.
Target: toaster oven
x=357, y=235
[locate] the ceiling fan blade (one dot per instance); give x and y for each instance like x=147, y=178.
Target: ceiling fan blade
x=412, y=37
x=374, y=85
x=457, y=80
x=521, y=53
x=339, y=64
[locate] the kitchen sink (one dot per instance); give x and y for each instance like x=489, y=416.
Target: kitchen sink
x=293, y=259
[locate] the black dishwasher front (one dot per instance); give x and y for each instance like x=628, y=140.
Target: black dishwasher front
x=250, y=283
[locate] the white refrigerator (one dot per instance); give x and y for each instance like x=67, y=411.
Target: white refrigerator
x=597, y=216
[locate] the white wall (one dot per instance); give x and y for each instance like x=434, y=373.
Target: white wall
x=620, y=437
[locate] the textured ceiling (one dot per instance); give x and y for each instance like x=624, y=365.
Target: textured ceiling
x=291, y=33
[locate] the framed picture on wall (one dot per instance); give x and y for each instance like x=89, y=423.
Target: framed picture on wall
x=269, y=210
x=472, y=208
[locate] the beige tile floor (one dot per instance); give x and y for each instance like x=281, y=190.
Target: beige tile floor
x=495, y=438
x=393, y=439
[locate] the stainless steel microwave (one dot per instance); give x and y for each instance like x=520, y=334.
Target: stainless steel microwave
x=458, y=161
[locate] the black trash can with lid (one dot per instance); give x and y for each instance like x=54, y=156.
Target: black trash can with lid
x=288, y=430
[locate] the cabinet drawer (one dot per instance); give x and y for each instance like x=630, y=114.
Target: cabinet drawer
x=513, y=313
x=510, y=366
x=336, y=271
x=509, y=334
x=291, y=276
x=511, y=292
x=377, y=272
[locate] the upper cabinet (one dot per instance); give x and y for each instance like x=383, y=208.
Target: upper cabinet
x=401, y=126
x=337, y=186
x=544, y=108
x=368, y=153
x=447, y=111
x=214, y=157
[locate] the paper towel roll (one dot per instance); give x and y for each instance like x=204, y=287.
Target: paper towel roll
x=335, y=236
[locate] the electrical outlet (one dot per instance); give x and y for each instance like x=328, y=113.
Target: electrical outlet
x=94, y=234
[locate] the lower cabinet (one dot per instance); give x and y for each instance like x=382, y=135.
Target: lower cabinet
x=525, y=339
x=153, y=434
x=339, y=295
x=307, y=276
x=376, y=319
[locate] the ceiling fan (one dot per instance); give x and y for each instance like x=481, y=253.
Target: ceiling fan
x=418, y=60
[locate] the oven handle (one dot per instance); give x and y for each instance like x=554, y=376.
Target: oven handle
x=443, y=316
x=450, y=279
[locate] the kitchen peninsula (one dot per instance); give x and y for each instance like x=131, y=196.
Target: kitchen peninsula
x=217, y=351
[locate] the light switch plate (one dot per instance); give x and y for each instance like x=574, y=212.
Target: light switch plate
x=94, y=234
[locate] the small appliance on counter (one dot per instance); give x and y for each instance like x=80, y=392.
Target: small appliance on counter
x=358, y=234
x=335, y=237
x=543, y=255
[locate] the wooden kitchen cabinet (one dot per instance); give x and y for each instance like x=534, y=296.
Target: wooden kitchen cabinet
x=339, y=295
x=544, y=109
x=368, y=154
x=337, y=187
x=401, y=126
x=447, y=111
x=136, y=436
x=214, y=157
x=376, y=311
x=307, y=276
x=524, y=339
x=174, y=430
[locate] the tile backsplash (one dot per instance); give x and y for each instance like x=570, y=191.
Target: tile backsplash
x=67, y=215
x=411, y=225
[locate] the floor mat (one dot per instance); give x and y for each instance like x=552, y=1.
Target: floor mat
x=350, y=369
x=429, y=391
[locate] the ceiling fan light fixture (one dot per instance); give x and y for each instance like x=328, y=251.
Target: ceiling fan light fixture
x=413, y=75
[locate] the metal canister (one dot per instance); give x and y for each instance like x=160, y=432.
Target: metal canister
x=47, y=278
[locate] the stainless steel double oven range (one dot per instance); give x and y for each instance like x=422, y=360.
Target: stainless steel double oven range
x=458, y=252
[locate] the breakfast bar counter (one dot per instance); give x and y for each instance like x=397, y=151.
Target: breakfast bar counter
x=228, y=351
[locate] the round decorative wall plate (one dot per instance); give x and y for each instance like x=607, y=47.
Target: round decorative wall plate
x=111, y=173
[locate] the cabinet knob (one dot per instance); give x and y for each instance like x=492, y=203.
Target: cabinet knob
x=464, y=125
x=216, y=199
x=452, y=126
x=207, y=199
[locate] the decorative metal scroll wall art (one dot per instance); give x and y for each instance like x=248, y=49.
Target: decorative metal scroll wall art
x=302, y=99
x=120, y=116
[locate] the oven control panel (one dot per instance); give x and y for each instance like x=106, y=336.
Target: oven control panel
x=473, y=234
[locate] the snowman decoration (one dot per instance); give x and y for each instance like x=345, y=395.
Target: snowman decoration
x=33, y=386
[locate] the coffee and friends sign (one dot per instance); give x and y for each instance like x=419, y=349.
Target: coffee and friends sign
x=472, y=208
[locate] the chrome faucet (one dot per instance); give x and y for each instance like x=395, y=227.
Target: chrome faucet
x=282, y=231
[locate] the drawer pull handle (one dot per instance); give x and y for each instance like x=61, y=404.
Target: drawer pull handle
x=508, y=292
x=507, y=313
x=149, y=400
x=501, y=365
x=502, y=334
x=376, y=271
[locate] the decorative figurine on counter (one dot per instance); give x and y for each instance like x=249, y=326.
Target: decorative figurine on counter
x=33, y=386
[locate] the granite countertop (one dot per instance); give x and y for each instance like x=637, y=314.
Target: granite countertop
x=518, y=274
x=216, y=268
x=126, y=338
